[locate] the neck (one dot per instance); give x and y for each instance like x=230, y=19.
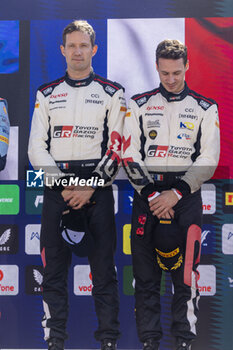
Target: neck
x=74, y=75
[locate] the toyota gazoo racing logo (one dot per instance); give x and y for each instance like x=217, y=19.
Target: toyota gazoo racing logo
x=157, y=151
x=62, y=131
x=187, y=125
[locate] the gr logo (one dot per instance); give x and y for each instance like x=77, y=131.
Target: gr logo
x=61, y=131
x=157, y=151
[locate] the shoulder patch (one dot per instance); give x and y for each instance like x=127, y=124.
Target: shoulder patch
x=141, y=99
x=204, y=102
x=48, y=88
x=109, y=86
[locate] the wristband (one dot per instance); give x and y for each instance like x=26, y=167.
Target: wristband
x=153, y=196
x=178, y=193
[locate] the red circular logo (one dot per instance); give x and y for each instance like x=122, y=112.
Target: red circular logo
x=1, y=275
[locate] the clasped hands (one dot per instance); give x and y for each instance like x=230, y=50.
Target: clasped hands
x=77, y=196
x=162, y=205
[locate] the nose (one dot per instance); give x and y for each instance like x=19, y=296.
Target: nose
x=171, y=79
x=78, y=50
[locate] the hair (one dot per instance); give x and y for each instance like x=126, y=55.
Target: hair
x=171, y=49
x=79, y=26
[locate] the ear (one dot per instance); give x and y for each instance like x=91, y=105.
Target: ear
x=187, y=66
x=62, y=50
x=157, y=67
x=94, y=50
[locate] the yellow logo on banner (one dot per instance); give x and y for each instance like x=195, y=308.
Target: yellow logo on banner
x=229, y=198
x=126, y=239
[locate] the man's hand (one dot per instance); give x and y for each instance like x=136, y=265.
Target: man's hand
x=77, y=196
x=162, y=205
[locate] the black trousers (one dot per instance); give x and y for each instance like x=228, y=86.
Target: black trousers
x=56, y=258
x=147, y=273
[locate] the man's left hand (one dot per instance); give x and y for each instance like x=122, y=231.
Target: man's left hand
x=163, y=203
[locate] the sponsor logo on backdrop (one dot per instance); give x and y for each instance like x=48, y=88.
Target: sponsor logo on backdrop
x=32, y=239
x=128, y=281
x=8, y=239
x=126, y=239
x=157, y=151
x=128, y=200
x=227, y=239
x=9, y=280
x=208, y=239
x=230, y=281
x=9, y=199
x=34, y=202
x=227, y=198
x=207, y=280
x=33, y=279
x=115, y=196
x=82, y=280
x=208, y=194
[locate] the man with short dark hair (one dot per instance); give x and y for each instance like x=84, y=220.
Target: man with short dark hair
x=170, y=147
x=77, y=128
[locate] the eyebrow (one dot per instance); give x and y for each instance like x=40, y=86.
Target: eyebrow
x=177, y=71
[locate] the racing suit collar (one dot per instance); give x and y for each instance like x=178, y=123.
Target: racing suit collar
x=170, y=97
x=79, y=83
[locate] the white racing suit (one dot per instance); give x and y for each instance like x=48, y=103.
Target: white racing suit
x=169, y=141
x=77, y=128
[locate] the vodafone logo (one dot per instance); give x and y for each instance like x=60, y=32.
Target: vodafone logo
x=82, y=280
x=9, y=280
x=208, y=194
x=207, y=280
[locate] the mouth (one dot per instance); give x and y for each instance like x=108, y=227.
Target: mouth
x=171, y=86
